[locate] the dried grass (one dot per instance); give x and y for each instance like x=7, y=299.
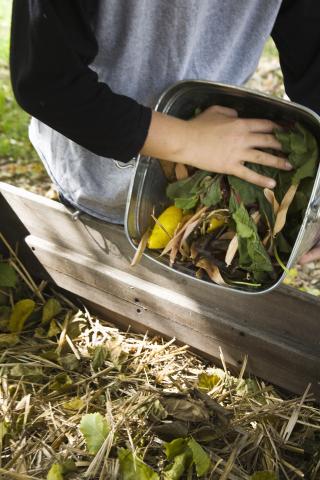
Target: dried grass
x=149, y=390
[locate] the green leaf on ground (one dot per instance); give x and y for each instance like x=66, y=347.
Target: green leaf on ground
x=133, y=468
x=50, y=309
x=207, y=382
x=55, y=472
x=95, y=428
x=8, y=276
x=20, y=313
x=200, y=458
x=180, y=464
x=264, y=476
x=99, y=356
x=60, y=382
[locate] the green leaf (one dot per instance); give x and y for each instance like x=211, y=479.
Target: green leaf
x=178, y=467
x=186, y=203
x=264, y=476
x=213, y=195
x=50, y=309
x=200, y=457
x=99, y=356
x=95, y=429
x=187, y=187
x=308, y=169
x=21, y=311
x=61, y=382
x=55, y=472
x=252, y=254
x=174, y=448
x=207, y=382
x=8, y=277
x=133, y=468
x=246, y=191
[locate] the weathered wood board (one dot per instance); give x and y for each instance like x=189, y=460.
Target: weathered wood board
x=278, y=330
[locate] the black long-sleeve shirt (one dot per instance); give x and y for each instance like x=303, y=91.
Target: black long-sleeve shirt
x=53, y=44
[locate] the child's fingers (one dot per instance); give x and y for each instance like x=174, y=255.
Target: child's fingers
x=263, y=158
x=252, y=177
x=228, y=112
x=264, y=140
x=258, y=125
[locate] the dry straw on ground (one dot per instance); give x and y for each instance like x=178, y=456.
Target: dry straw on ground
x=66, y=363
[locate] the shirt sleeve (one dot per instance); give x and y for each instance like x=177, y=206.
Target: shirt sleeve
x=296, y=34
x=52, y=46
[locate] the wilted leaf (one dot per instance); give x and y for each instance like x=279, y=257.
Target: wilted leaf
x=270, y=196
x=283, y=209
x=181, y=171
x=69, y=362
x=132, y=468
x=188, y=410
x=115, y=353
x=264, y=476
x=54, y=329
x=212, y=270
x=232, y=250
x=21, y=311
x=141, y=247
x=171, y=430
x=8, y=277
x=74, y=404
x=9, y=339
x=50, y=309
x=99, y=356
x=207, y=382
x=60, y=382
x=95, y=428
x=55, y=472
x=200, y=457
x=20, y=370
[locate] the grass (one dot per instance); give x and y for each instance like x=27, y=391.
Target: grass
x=19, y=163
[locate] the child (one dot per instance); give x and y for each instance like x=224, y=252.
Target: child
x=89, y=71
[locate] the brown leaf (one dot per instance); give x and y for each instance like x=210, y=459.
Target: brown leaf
x=283, y=209
x=141, y=247
x=183, y=246
x=178, y=235
x=232, y=250
x=168, y=169
x=181, y=171
x=188, y=410
x=270, y=196
x=212, y=270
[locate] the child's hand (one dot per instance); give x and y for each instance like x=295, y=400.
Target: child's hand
x=311, y=256
x=219, y=141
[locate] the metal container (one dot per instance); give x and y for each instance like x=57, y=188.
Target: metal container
x=147, y=192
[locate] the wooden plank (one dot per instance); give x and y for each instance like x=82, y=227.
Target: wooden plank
x=279, y=330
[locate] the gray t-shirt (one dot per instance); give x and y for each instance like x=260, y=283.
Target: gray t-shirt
x=144, y=47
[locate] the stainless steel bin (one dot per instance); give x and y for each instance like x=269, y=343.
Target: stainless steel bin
x=148, y=186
